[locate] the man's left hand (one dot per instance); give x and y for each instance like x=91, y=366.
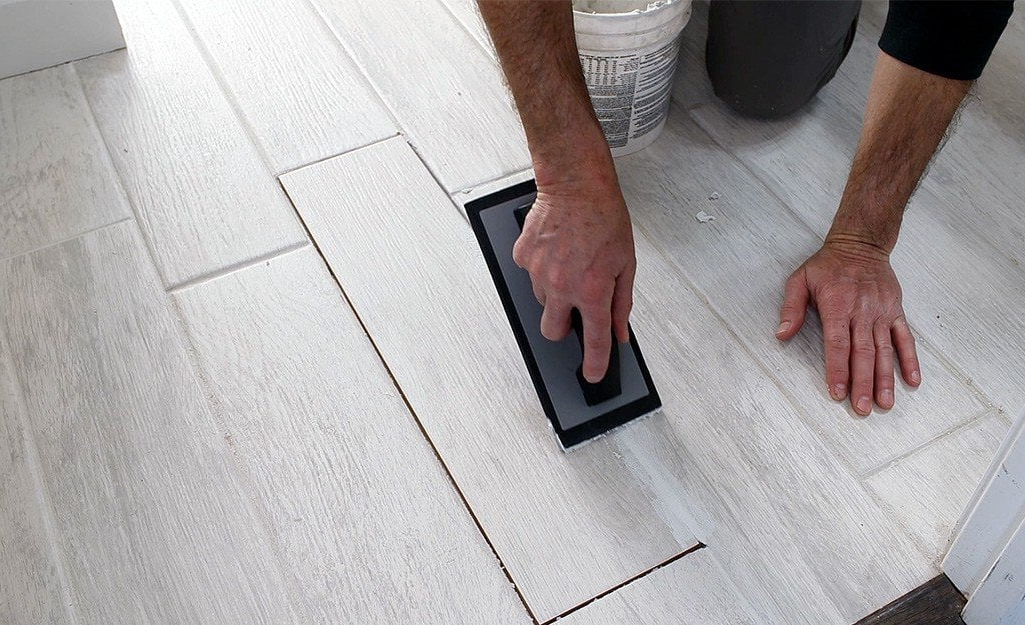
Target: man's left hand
x=859, y=301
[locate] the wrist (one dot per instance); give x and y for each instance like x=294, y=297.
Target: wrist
x=866, y=222
x=572, y=149
x=581, y=159
x=856, y=244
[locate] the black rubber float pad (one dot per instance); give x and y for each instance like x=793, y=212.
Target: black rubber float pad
x=553, y=366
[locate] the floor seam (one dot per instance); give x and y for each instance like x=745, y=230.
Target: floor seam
x=626, y=583
x=222, y=86
x=181, y=326
x=236, y=267
x=108, y=154
x=412, y=412
x=315, y=7
x=964, y=425
x=466, y=29
x=410, y=139
x=60, y=242
x=342, y=153
x=42, y=490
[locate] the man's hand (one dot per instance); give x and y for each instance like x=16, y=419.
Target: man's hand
x=577, y=244
x=859, y=301
x=850, y=280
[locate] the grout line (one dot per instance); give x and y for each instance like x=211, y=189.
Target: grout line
x=245, y=486
x=236, y=267
x=212, y=401
x=342, y=153
x=412, y=412
x=633, y=579
x=70, y=238
x=489, y=51
x=35, y=469
x=147, y=242
x=222, y=84
x=315, y=7
x=403, y=130
x=470, y=193
x=797, y=406
x=964, y=425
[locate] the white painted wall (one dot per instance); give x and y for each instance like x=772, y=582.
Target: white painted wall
x=41, y=33
x=987, y=558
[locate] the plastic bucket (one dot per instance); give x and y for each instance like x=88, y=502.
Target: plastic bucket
x=628, y=51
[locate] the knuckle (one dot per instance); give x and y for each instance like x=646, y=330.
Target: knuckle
x=839, y=340
x=837, y=373
x=863, y=347
x=558, y=280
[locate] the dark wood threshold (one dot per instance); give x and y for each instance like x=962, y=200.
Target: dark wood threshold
x=936, y=602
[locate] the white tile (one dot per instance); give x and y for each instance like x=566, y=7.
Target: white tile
x=204, y=198
x=299, y=92
x=56, y=179
x=368, y=524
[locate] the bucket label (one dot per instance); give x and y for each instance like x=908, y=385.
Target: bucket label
x=630, y=92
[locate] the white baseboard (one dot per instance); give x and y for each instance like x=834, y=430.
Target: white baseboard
x=41, y=33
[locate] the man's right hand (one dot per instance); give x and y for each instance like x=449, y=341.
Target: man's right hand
x=577, y=244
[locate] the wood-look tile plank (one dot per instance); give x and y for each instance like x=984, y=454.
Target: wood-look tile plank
x=445, y=90
x=755, y=237
x=691, y=590
x=146, y=503
x=371, y=527
x=728, y=456
x=768, y=484
x=301, y=94
x=566, y=526
x=32, y=586
x=204, y=197
x=56, y=180
x=928, y=490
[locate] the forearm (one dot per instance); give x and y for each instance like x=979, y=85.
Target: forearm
x=906, y=117
x=537, y=48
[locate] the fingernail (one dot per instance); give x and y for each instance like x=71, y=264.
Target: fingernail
x=916, y=377
x=783, y=327
x=886, y=398
x=864, y=405
x=839, y=391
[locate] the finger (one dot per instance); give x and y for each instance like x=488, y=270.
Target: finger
x=863, y=364
x=555, y=320
x=795, y=303
x=836, y=336
x=884, y=366
x=904, y=341
x=539, y=292
x=622, y=303
x=597, y=342
x=520, y=248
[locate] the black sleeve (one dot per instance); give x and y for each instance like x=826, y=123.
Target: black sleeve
x=951, y=39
